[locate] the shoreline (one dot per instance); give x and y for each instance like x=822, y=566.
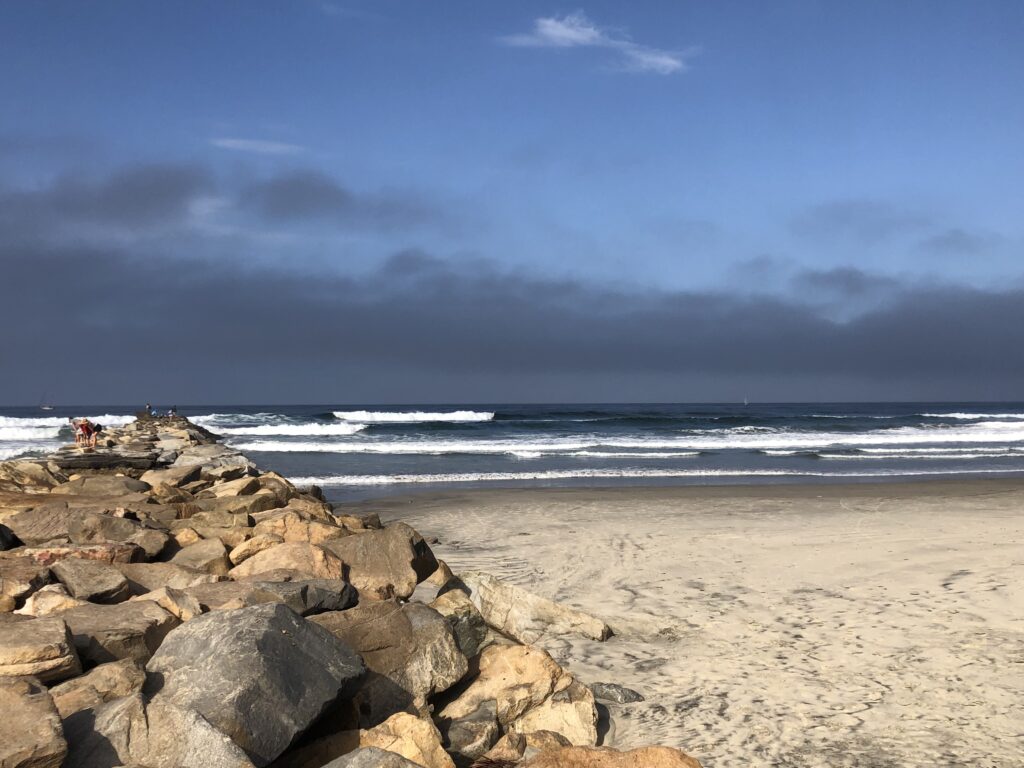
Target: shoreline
x=794, y=625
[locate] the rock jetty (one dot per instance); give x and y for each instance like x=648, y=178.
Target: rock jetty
x=166, y=604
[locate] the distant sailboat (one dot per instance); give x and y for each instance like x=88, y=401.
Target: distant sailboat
x=745, y=401
x=43, y=405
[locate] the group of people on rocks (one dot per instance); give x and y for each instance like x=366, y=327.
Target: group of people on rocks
x=85, y=431
x=154, y=413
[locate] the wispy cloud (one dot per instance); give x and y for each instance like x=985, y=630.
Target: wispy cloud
x=575, y=30
x=259, y=146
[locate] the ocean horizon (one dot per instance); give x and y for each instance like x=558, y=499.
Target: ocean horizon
x=367, y=451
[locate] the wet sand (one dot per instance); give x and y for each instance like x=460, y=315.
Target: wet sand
x=863, y=625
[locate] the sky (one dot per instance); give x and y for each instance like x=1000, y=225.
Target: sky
x=397, y=201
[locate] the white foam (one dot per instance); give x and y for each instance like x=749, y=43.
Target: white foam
x=478, y=477
x=49, y=427
x=972, y=416
x=413, y=416
x=334, y=430
x=29, y=433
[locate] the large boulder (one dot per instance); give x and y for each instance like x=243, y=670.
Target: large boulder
x=131, y=731
x=146, y=577
x=314, y=561
x=289, y=526
x=243, y=486
x=523, y=615
x=93, y=528
x=468, y=626
x=20, y=577
x=31, y=735
x=172, y=476
x=304, y=596
x=471, y=736
x=253, y=546
x=101, y=684
x=42, y=648
x=260, y=675
x=570, y=712
x=411, y=737
x=603, y=757
x=132, y=630
x=40, y=524
x=91, y=580
x=409, y=650
x=208, y=555
x=386, y=563
x=28, y=476
x=371, y=757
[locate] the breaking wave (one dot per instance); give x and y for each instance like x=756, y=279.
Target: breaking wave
x=411, y=417
x=297, y=430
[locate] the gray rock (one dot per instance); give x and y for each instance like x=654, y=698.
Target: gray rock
x=409, y=650
x=91, y=528
x=102, y=485
x=40, y=524
x=148, y=577
x=209, y=555
x=305, y=597
x=173, y=476
x=20, y=577
x=371, y=757
x=31, y=735
x=386, y=563
x=260, y=675
x=42, y=648
x=616, y=694
x=467, y=623
x=28, y=475
x=471, y=736
x=132, y=630
x=91, y=580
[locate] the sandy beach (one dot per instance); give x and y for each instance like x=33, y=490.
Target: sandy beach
x=841, y=625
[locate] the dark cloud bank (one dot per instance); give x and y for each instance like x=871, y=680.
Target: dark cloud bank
x=110, y=323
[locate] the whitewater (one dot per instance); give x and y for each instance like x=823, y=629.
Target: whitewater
x=362, y=450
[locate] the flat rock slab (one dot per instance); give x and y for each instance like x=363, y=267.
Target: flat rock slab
x=101, y=684
x=40, y=524
x=147, y=577
x=96, y=528
x=31, y=735
x=260, y=675
x=173, y=476
x=132, y=630
x=91, y=580
x=314, y=561
x=305, y=597
x=20, y=577
x=73, y=461
x=102, y=485
x=42, y=648
x=107, y=553
x=209, y=555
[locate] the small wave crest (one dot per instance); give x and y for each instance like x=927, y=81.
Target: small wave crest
x=295, y=430
x=412, y=417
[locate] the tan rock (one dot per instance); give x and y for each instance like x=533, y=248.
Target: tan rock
x=174, y=476
x=258, y=543
x=176, y=602
x=591, y=757
x=208, y=555
x=244, y=486
x=186, y=537
x=131, y=630
x=91, y=580
x=31, y=735
x=48, y=600
x=146, y=577
x=7, y=604
x=412, y=738
x=289, y=526
x=42, y=648
x=523, y=615
x=386, y=563
x=442, y=575
x=100, y=684
x=104, y=553
x=569, y=712
x=20, y=577
x=309, y=559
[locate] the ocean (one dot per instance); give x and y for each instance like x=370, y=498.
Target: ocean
x=358, y=452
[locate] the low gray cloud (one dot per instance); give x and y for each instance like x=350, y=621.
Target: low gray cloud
x=958, y=242
x=858, y=220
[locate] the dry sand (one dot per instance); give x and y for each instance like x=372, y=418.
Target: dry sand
x=867, y=625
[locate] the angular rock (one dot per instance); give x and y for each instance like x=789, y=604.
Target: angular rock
x=128, y=731
x=316, y=562
x=412, y=738
x=132, y=630
x=229, y=537
x=176, y=602
x=208, y=555
x=603, y=757
x=91, y=580
x=260, y=675
x=102, y=485
x=102, y=684
x=513, y=746
x=185, y=537
x=471, y=736
x=239, y=505
x=386, y=563
x=93, y=528
x=30, y=729
x=517, y=677
x=305, y=597
x=244, y=486
x=41, y=648
x=253, y=546
x=616, y=694
x=570, y=712
x=289, y=526
x=467, y=624
x=28, y=476
x=371, y=757
x=48, y=600
x=105, y=553
x=173, y=476
x=40, y=524
x=20, y=577
x=523, y=615
x=147, y=577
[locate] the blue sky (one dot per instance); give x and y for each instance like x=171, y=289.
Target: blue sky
x=830, y=155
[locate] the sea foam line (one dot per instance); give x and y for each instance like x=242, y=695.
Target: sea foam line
x=410, y=417
x=298, y=430
x=474, y=477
